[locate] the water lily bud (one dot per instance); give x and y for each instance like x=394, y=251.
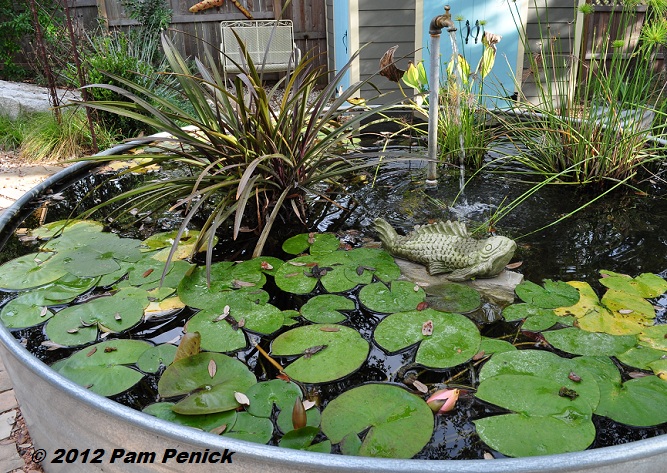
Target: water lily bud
x=299, y=419
x=443, y=400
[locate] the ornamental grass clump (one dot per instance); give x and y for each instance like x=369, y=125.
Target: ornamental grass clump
x=252, y=154
x=593, y=121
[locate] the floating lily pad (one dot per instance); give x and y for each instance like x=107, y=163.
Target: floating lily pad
x=250, y=428
x=64, y=290
x=101, y=369
x=640, y=357
x=302, y=439
x=195, y=291
x=317, y=243
x=205, y=422
x=454, y=339
x=645, y=285
x=580, y=342
x=629, y=306
x=262, y=264
x=400, y=296
x=325, y=308
x=659, y=367
x=654, y=337
x=517, y=435
x=386, y=413
x=452, y=297
x=25, y=311
x=554, y=294
x=493, y=345
x=78, y=324
x=112, y=314
x=49, y=230
x=639, y=402
x=293, y=276
x=31, y=270
x=206, y=392
x=344, y=352
x=536, y=318
x=216, y=335
x=156, y=357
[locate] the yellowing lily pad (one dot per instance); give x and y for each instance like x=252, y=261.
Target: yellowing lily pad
x=629, y=306
x=328, y=352
x=454, y=339
x=654, y=337
x=397, y=424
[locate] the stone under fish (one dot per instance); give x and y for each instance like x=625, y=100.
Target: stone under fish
x=446, y=247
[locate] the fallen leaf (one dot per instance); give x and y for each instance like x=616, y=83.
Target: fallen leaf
x=427, y=328
x=218, y=430
x=91, y=352
x=266, y=266
x=242, y=399
x=422, y=305
x=308, y=404
x=330, y=329
x=419, y=386
x=514, y=265
x=43, y=312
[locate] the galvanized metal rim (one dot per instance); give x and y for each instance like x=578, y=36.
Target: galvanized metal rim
x=588, y=459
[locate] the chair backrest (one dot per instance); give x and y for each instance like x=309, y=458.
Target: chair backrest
x=269, y=42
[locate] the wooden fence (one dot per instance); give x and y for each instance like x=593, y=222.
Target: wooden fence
x=201, y=31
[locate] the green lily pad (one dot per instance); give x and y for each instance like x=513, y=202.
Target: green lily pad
x=250, y=428
x=640, y=357
x=64, y=290
x=216, y=335
x=536, y=318
x=324, y=309
x=49, y=230
x=261, y=264
x=654, y=337
x=31, y=270
x=225, y=278
x=517, y=435
x=302, y=439
x=645, y=285
x=554, y=294
x=493, y=345
x=284, y=420
x=454, y=340
x=400, y=296
x=659, y=367
x=580, y=342
x=116, y=313
x=388, y=413
x=25, y=311
x=292, y=276
x=317, y=243
x=205, y=422
x=543, y=364
x=639, y=402
x=344, y=352
x=376, y=261
x=206, y=394
x=452, y=297
x=101, y=369
x=90, y=263
x=156, y=357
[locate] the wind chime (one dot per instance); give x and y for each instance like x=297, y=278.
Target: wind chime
x=206, y=4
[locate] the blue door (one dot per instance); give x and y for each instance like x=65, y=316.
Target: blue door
x=341, y=15
x=472, y=18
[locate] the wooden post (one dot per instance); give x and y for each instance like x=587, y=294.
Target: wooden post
x=277, y=9
x=102, y=14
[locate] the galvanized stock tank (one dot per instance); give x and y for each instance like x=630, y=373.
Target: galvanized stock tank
x=79, y=431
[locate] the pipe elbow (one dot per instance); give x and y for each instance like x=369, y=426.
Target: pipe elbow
x=440, y=22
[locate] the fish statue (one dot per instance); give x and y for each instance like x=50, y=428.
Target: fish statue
x=446, y=247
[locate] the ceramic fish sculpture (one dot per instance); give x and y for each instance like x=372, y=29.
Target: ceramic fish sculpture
x=446, y=247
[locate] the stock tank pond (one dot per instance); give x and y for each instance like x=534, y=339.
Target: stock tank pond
x=320, y=354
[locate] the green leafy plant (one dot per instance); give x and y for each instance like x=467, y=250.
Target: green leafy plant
x=598, y=130
x=247, y=146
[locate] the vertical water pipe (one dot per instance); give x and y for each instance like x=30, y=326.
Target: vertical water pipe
x=435, y=29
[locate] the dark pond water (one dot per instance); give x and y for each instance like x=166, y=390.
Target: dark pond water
x=623, y=232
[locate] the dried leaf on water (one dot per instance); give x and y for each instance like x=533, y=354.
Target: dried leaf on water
x=212, y=368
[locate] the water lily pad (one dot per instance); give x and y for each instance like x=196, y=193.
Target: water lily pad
x=659, y=367
x=101, y=369
x=580, y=342
x=317, y=243
x=629, y=306
x=64, y=290
x=78, y=324
x=195, y=291
x=654, y=337
x=400, y=296
x=454, y=339
x=49, y=230
x=90, y=263
x=293, y=276
x=645, y=285
x=639, y=402
x=302, y=439
x=325, y=308
x=343, y=352
x=554, y=294
x=536, y=318
x=216, y=334
x=206, y=393
x=25, y=311
x=387, y=413
x=31, y=270
x=156, y=357
x=262, y=264
x=205, y=422
x=452, y=297
x=517, y=435
x=250, y=428
x=640, y=357
x=493, y=345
